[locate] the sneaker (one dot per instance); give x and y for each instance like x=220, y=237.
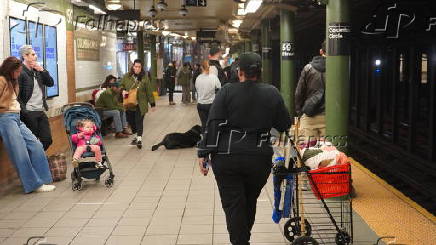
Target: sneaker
x=99, y=165
x=46, y=188
x=139, y=144
x=120, y=135
x=134, y=142
x=172, y=103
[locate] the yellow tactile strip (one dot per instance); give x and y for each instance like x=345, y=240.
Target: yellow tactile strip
x=388, y=212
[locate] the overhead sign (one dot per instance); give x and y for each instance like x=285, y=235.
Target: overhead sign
x=288, y=50
x=196, y=3
x=128, y=46
x=339, y=35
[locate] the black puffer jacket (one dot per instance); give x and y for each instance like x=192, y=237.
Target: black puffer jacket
x=310, y=82
x=25, y=81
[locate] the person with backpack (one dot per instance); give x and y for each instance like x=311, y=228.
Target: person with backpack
x=309, y=98
x=215, y=54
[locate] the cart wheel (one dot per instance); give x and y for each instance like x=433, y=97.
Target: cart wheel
x=342, y=238
x=305, y=240
x=109, y=183
x=292, y=228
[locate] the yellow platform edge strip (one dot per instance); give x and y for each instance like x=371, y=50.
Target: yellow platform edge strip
x=396, y=192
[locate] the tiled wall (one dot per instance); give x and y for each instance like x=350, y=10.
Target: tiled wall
x=93, y=73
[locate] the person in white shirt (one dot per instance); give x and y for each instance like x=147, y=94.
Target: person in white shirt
x=206, y=85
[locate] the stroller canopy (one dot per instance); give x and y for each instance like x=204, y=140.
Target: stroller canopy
x=76, y=112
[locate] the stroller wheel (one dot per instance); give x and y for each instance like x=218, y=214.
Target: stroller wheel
x=292, y=229
x=77, y=186
x=305, y=240
x=97, y=179
x=109, y=183
x=342, y=238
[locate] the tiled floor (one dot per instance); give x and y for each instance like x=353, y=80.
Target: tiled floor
x=158, y=198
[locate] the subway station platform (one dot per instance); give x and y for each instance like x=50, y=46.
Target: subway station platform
x=161, y=198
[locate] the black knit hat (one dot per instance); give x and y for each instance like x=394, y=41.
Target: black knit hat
x=250, y=62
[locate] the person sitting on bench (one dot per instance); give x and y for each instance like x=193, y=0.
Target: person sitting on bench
x=112, y=107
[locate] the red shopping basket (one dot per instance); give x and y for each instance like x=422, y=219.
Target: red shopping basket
x=331, y=181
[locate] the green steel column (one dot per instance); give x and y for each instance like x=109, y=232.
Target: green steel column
x=337, y=71
x=140, y=45
x=266, y=52
x=287, y=76
x=153, y=62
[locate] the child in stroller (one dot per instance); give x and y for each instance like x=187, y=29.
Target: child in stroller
x=82, y=124
x=86, y=140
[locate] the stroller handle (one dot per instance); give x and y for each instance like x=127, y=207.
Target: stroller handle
x=69, y=105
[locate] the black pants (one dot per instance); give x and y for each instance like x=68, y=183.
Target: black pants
x=203, y=113
x=135, y=120
x=240, y=179
x=37, y=122
x=171, y=86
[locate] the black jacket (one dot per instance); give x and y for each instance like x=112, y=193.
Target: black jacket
x=25, y=81
x=309, y=83
x=221, y=75
x=170, y=76
x=241, y=117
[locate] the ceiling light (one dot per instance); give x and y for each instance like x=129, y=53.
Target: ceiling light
x=162, y=5
x=152, y=12
x=96, y=9
x=236, y=23
x=252, y=6
x=113, y=4
x=241, y=11
x=183, y=11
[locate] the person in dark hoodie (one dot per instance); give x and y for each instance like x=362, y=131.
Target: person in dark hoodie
x=33, y=81
x=309, y=98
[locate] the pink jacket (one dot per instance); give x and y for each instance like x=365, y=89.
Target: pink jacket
x=80, y=141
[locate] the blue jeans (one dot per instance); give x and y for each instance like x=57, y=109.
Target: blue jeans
x=25, y=152
x=120, y=121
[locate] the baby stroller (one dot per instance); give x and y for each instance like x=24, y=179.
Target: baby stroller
x=72, y=113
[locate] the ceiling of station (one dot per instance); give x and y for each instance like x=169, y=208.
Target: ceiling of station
x=217, y=12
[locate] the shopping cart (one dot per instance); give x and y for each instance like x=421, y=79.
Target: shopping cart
x=321, y=206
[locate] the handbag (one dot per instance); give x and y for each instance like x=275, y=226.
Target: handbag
x=131, y=99
x=312, y=105
x=58, y=167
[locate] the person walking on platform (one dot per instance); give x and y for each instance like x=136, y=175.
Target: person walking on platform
x=184, y=79
x=309, y=99
x=237, y=138
x=136, y=78
x=170, y=80
x=207, y=85
x=33, y=81
x=25, y=151
x=215, y=66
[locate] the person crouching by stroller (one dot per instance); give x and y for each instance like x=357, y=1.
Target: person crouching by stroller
x=84, y=139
